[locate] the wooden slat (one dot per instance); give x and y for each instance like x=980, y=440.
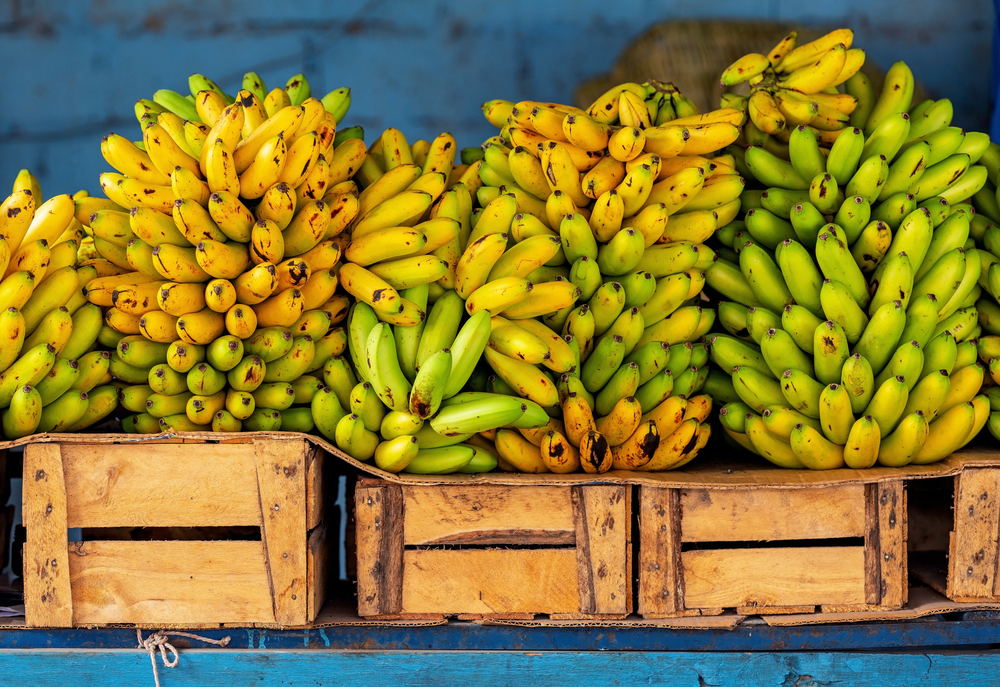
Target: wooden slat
x=379, y=517
x=317, y=571
x=972, y=561
x=773, y=610
x=48, y=600
x=886, y=543
x=183, y=582
x=660, y=582
x=281, y=479
x=602, y=519
x=315, y=502
x=490, y=581
x=774, y=577
x=157, y=485
x=488, y=515
x=767, y=514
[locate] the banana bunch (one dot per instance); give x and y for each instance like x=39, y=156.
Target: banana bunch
x=52, y=378
x=796, y=85
x=986, y=234
x=852, y=292
x=221, y=242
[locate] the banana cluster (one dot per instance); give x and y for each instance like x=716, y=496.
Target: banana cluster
x=850, y=287
x=537, y=288
x=796, y=85
x=51, y=377
x=986, y=233
x=218, y=249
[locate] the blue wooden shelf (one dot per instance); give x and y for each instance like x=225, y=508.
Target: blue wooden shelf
x=975, y=629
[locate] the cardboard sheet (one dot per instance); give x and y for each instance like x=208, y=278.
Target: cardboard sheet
x=719, y=468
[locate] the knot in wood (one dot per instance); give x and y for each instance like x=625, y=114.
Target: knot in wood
x=972, y=511
x=48, y=509
x=39, y=475
x=969, y=572
x=276, y=507
x=884, y=500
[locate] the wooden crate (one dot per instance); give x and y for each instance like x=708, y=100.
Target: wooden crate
x=971, y=528
x=488, y=551
x=274, y=485
x=771, y=550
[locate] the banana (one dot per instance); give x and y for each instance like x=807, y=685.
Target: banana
x=814, y=450
x=24, y=413
x=896, y=96
x=764, y=277
x=801, y=392
x=756, y=389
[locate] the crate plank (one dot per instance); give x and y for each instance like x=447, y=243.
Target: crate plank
x=762, y=514
x=156, y=485
x=774, y=577
x=488, y=515
x=972, y=560
x=603, y=517
x=281, y=478
x=886, y=580
x=379, y=518
x=773, y=610
x=185, y=582
x=317, y=571
x=661, y=589
x=48, y=600
x=490, y=581
x=315, y=503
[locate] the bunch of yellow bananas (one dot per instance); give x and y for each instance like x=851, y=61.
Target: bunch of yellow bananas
x=50, y=380
x=796, y=85
x=546, y=254
x=218, y=253
x=850, y=288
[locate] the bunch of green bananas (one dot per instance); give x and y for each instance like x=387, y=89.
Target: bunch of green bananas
x=217, y=254
x=850, y=289
x=51, y=379
x=796, y=85
x=552, y=244
x=986, y=233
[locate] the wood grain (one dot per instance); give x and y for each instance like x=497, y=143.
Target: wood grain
x=774, y=610
x=315, y=484
x=762, y=514
x=603, y=518
x=161, y=485
x=169, y=582
x=378, y=512
x=661, y=591
x=490, y=581
x=281, y=479
x=48, y=599
x=317, y=571
x=886, y=579
x=774, y=577
x=972, y=560
x=488, y=515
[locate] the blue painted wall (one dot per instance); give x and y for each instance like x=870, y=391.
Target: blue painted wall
x=72, y=70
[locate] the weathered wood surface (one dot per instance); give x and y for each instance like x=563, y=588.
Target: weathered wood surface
x=490, y=581
x=378, y=513
x=317, y=571
x=199, y=667
x=157, y=485
x=603, y=519
x=973, y=558
x=886, y=578
x=774, y=577
x=486, y=516
x=174, y=582
x=315, y=485
x=661, y=585
x=281, y=478
x=47, y=597
x=769, y=514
